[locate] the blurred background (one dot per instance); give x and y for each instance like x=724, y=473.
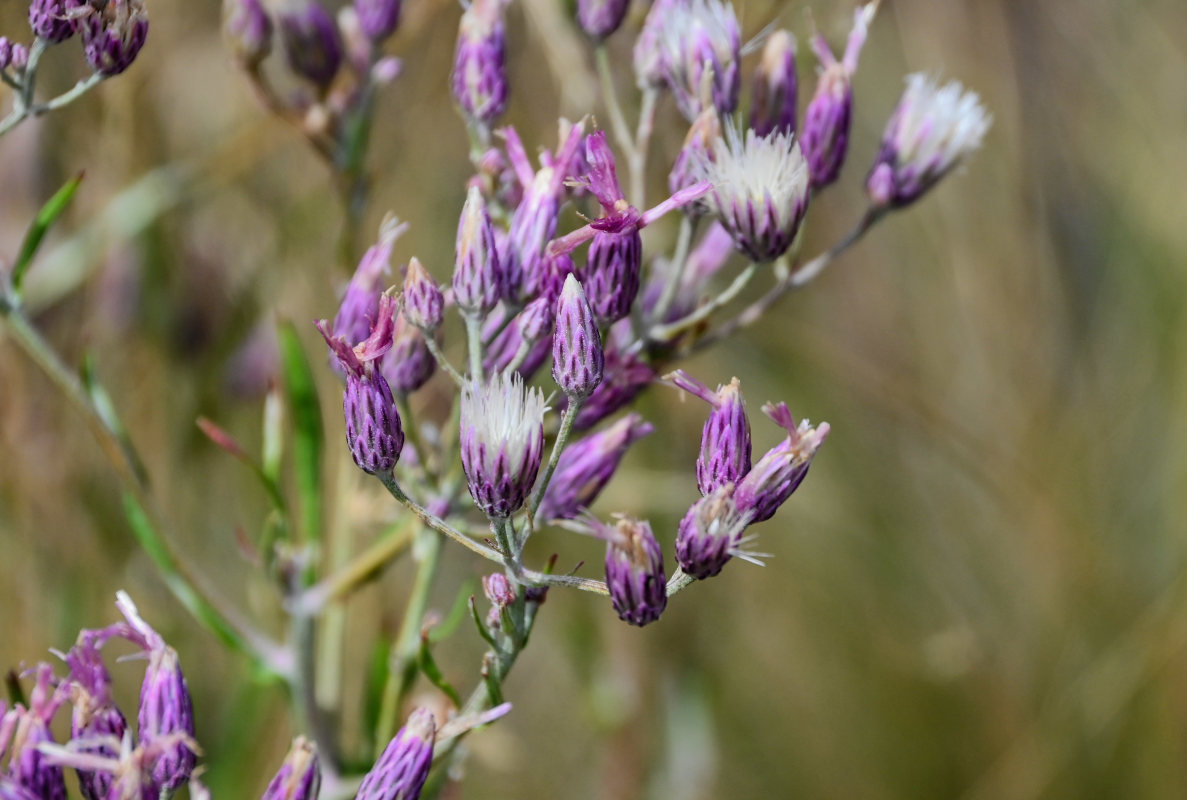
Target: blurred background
x=978, y=593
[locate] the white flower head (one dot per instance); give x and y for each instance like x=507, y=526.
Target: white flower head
x=760, y=189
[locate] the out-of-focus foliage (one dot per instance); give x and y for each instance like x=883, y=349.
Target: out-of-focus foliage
x=981, y=593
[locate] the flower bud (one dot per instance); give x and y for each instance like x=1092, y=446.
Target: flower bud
x=825, y=138
x=28, y=766
x=424, y=303
x=5, y=52
x=359, y=308
x=11, y=790
x=477, y=275
x=479, y=69
x=532, y=225
x=248, y=30
x=931, y=132
x=577, y=359
x=760, y=190
x=49, y=20
x=600, y=18
x=612, y=271
x=702, y=50
x=779, y=473
x=20, y=56
x=400, y=772
x=113, y=35
x=648, y=58
x=378, y=19
x=725, y=439
x=299, y=777
x=709, y=534
x=531, y=329
x=96, y=721
x=409, y=364
x=635, y=572
x=698, y=148
x=312, y=43
x=586, y=466
x=502, y=441
x=775, y=89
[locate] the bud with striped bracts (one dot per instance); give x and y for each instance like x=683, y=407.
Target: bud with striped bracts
x=299, y=777
x=248, y=30
x=374, y=432
x=710, y=534
x=600, y=18
x=698, y=148
x=586, y=466
x=378, y=19
x=49, y=20
x=400, y=772
x=502, y=442
x=702, y=48
x=577, y=359
x=96, y=722
x=781, y=470
x=312, y=43
x=634, y=571
x=725, y=439
x=360, y=303
x=612, y=271
x=477, y=275
x=773, y=101
x=113, y=34
x=933, y=129
x=409, y=364
x=424, y=302
x=29, y=767
x=648, y=57
x=479, y=78
x=825, y=135
x=531, y=329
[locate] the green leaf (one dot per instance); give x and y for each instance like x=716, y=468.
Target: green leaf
x=429, y=667
x=308, y=433
x=482, y=629
x=46, y=217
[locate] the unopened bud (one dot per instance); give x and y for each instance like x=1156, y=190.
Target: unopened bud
x=635, y=572
x=477, y=277
x=248, y=30
x=612, y=273
x=378, y=19
x=424, y=303
x=311, y=41
x=113, y=34
x=49, y=20
x=775, y=88
x=577, y=359
x=600, y=18
x=400, y=772
x=299, y=777
x=479, y=68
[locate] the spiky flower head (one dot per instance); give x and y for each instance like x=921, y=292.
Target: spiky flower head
x=781, y=470
x=701, y=53
x=312, y=42
x=825, y=135
x=502, y=441
x=587, y=465
x=400, y=772
x=933, y=129
x=248, y=30
x=577, y=359
x=112, y=34
x=698, y=147
x=600, y=18
x=424, y=302
x=725, y=439
x=710, y=533
x=776, y=90
x=28, y=766
x=634, y=571
x=378, y=19
x=299, y=777
x=760, y=190
x=49, y=20
x=477, y=274
x=479, y=68
x=97, y=725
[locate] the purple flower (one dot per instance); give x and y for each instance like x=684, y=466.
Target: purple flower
x=5, y=52
x=778, y=473
x=773, y=101
x=933, y=129
x=612, y=273
x=360, y=303
x=11, y=790
x=479, y=68
x=760, y=190
x=248, y=30
x=424, y=303
x=701, y=52
x=600, y=18
x=527, y=339
x=725, y=439
x=28, y=766
x=299, y=777
x=698, y=147
x=634, y=571
x=502, y=441
x=710, y=534
x=49, y=20
x=409, y=364
x=378, y=19
x=825, y=137
x=400, y=772
x=97, y=725
x=586, y=466
x=112, y=35
x=311, y=40
x=477, y=274
x=577, y=359
x=649, y=54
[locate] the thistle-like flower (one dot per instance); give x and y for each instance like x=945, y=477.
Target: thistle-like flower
x=477, y=275
x=502, y=441
x=931, y=132
x=378, y=19
x=299, y=777
x=773, y=101
x=248, y=30
x=96, y=722
x=634, y=571
x=781, y=470
x=400, y=772
x=825, y=136
x=112, y=35
x=360, y=303
x=725, y=439
x=586, y=466
x=479, y=68
x=701, y=52
x=311, y=41
x=760, y=190
x=424, y=303
x=577, y=359
x=710, y=534
x=600, y=18
x=49, y=20
x=28, y=766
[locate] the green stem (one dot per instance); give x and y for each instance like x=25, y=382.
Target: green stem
x=688, y=229
x=638, y=156
x=474, y=341
x=562, y=436
x=622, y=132
x=442, y=361
x=353, y=575
x=662, y=333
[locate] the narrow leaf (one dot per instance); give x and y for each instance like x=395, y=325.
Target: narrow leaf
x=45, y=218
x=308, y=433
x=429, y=667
